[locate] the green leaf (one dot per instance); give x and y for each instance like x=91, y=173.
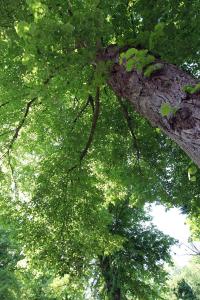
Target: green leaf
x=192, y=89
x=129, y=65
x=192, y=170
x=166, y=109
x=130, y=52
x=193, y=178
x=151, y=69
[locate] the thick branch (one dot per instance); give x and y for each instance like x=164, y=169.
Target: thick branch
x=147, y=95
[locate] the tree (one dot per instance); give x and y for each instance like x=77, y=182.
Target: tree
x=71, y=145
x=157, y=81
x=53, y=65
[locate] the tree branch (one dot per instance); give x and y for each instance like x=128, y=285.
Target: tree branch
x=130, y=126
x=3, y=104
x=93, y=127
x=193, y=248
x=92, y=130
x=19, y=127
x=82, y=110
x=21, y=123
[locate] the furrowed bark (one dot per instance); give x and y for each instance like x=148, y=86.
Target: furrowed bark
x=147, y=95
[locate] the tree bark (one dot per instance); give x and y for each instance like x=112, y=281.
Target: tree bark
x=147, y=95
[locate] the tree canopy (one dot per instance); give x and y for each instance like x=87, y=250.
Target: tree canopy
x=78, y=163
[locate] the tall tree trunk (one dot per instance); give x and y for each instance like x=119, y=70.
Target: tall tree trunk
x=148, y=95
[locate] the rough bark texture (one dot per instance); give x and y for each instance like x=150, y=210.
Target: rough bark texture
x=147, y=95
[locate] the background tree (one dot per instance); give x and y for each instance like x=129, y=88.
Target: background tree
x=137, y=270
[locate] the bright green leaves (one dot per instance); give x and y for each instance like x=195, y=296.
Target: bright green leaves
x=140, y=60
x=38, y=9
x=28, y=58
x=166, y=109
x=152, y=69
x=22, y=28
x=191, y=173
x=127, y=55
x=137, y=59
x=53, y=42
x=192, y=89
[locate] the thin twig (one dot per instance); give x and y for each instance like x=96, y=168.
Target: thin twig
x=82, y=110
x=192, y=248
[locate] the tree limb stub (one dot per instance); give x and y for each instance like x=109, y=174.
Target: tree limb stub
x=166, y=86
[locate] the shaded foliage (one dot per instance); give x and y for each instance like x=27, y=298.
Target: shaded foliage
x=66, y=170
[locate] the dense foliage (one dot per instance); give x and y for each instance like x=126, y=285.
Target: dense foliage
x=73, y=154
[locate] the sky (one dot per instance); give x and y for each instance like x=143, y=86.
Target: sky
x=173, y=223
